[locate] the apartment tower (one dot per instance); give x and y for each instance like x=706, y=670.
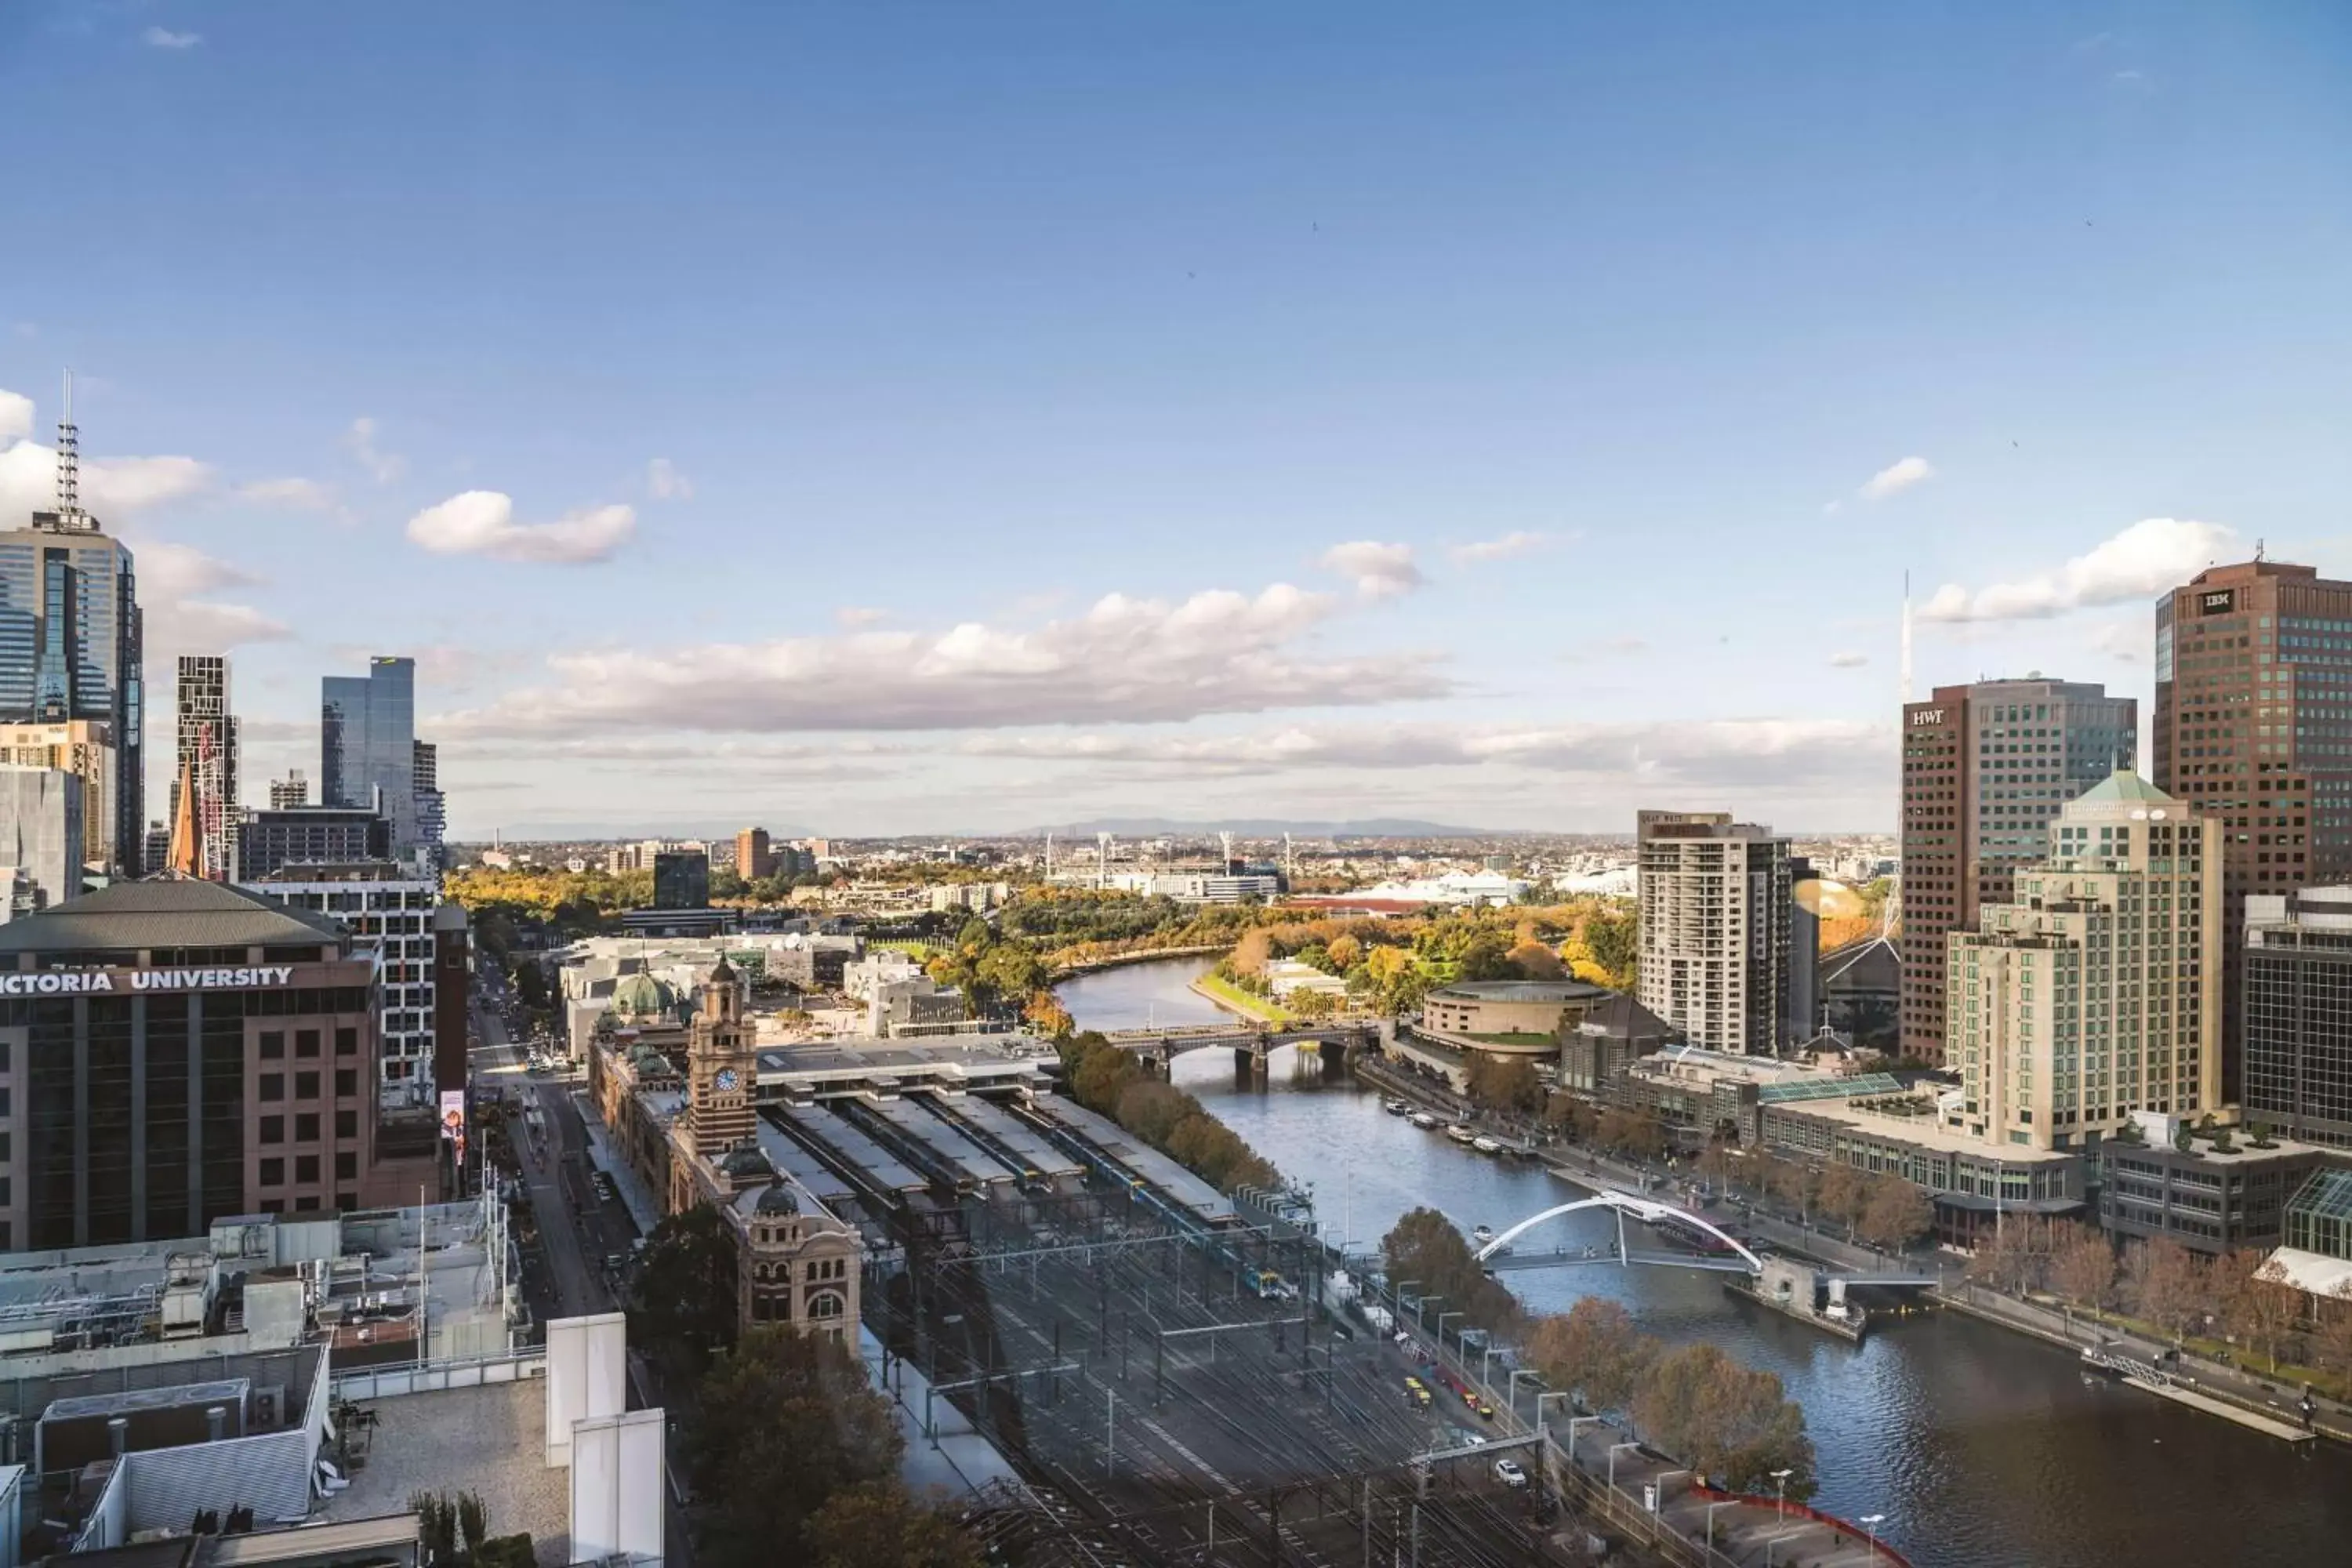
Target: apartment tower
x=2294, y=1006
x=1986, y=768
x=207, y=754
x=2091, y=992
x=2253, y=725
x=1713, y=928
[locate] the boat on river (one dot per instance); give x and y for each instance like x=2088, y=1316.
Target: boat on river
x=1460, y=1133
x=1425, y=1121
x=1394, y=1106
x=1485, y=1145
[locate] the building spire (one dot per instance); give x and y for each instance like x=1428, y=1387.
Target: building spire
x=187, y=857
x=1906, y=677
x=69, y=514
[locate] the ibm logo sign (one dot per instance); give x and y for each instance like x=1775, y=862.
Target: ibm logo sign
x=2217, y=603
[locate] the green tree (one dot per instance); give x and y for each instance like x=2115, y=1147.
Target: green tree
x=1613, y=938
x=782, y=1424
x=1486, y=956
x=683, y=1302
x=1534, y=961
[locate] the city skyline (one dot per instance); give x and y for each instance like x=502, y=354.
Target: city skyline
x=1349, y=442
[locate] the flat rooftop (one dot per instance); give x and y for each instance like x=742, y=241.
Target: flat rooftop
x=490, y=1440
x=1519, y=991
x=1925, y=1131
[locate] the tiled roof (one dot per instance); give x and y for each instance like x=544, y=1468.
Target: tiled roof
x=168, y=912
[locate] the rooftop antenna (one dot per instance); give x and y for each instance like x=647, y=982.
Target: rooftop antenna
x=2258, y=550
x=1049, y=854
x=1226, y=844
x=69, y=513
x=1906, y=636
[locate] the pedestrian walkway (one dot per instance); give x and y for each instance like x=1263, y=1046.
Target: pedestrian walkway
x=642, y=1205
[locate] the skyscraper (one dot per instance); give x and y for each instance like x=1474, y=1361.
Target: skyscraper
x=753, y=858
x=1713, y=927
x=2296, y=1014
x=369, y=756
x=71, y=640
x=1985, y=769
x=2091, y=993
x=291, y=790
x=207, y=756
x=2253, y=725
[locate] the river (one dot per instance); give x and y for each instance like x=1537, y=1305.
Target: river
x=1982, y=1447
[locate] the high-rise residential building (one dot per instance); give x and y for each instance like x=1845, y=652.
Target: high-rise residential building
x=752, y=856
x=207, y=756
x=432, y=806
x=70, y=642
x=681, y=880
x=83, y=747
x=1803, y=996
x=390, y=907
x=1713, y=928
x=291, y=790
x=1985, y=770
x=2253, y=725
x=41, y=830
x=2295, y=1002
x=2091, y=993
x=310, y=834
x=369, y=756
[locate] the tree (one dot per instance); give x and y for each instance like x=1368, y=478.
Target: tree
x=1345, y=952
x=876, y=1524
x=2333, y=1314
x=1486, y=956
x=1615, y=941
x=1895, y=1213
x=784, y=1423
x=1594, y=1349
x=1732, y=1424
x=683, y=1302
x=1631, y=1133
x=1843, y=1192
x=2258, y=1302
x=1534, y=961
x=1254, y=952
x=2083, y=1270
x=1425, y=1247
x=1506, y=1083
x=2166, y=1285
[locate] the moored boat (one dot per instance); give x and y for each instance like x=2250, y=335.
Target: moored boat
x=1460, y=1133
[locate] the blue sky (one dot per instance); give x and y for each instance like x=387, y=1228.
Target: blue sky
x=899, y=418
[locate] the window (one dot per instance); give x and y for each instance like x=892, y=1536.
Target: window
x=306, y=1127
x=306, y=1042
x=273, y=1172
x=273, y=1129
x=306, y=1085
x=306, y=1167
x=347, y=1080
x=273, y=1205
x=273, y=1045
x=346, y=1123
x=347, y=1167
x=347, y=1042
x=273, y=1086
x=307, y=1204
x=347, y=1201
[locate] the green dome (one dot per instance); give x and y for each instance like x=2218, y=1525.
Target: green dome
x=640, y=995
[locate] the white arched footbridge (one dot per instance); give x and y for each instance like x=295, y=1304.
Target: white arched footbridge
x=1497, y=1252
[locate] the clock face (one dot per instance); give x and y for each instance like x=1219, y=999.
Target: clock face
x=725, y=1081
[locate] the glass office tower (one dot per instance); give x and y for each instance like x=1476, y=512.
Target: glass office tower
x=367, y=745
x=70, y=649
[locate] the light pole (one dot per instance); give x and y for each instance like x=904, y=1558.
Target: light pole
x=1662, y=1486
x=1870, y=1523
x=1772, y=1545
x=1614, y=1447
x=1486, y=1359
x=1511, y=1391
x=1573, y=1422
x=1781, y=1492
x=1441, y=1326
x=1421, y=1311
x=1727, y=1502
x=1544, y=1431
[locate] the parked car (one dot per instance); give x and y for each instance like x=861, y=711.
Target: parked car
x=1509, y=1472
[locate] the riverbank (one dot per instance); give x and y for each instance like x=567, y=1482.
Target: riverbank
x=1073, y=970
x=1234, y=999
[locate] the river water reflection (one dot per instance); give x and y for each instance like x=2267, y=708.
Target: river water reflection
x=1980, y=1446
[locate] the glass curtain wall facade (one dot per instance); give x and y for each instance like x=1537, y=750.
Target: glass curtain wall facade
x=70, y=649
x=367, y=745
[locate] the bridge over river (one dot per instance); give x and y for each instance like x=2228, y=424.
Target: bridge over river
x=1254, y=1042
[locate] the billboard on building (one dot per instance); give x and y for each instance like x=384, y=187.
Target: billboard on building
x=453, y=1119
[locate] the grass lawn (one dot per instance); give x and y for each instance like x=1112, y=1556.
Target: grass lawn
x=912, y=946
x=1244, y=1002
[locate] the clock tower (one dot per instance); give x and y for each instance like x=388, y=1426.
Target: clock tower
x=721, y=1066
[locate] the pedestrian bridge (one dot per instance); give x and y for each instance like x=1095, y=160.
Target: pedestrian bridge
x=1495, y=1254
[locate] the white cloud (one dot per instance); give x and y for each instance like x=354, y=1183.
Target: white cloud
x=294, y=494
x=1515, y=542
x=2123, y=641
x=2150, y=556
x=359, y=442
x=1124, y=660
x=663, y=482
x=164, y=38
x=1745, y=752
x=111, y=487
x=1848, y=659
x=1896, y=478
x=859, y=615
x=1378, y=570
x=481, y=522
x=16, y=416
x=172, y=577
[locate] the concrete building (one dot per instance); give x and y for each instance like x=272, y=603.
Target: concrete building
x=1804, y=996
x=1536, y=1009
x=2295, y=1014
x=180, y=1051
x=1985, y=769
x=42, y=831
x=291, y=790
x=681, y=880
x=2254, y=726
x=1714, y=918
x=310, y=836
x=2215, y=1193
x=84, y=749
x=391, y=907
x=206, y=756
x=2093, y=994
x=753, y=860
x=1613, y=1033
x=432, y=808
